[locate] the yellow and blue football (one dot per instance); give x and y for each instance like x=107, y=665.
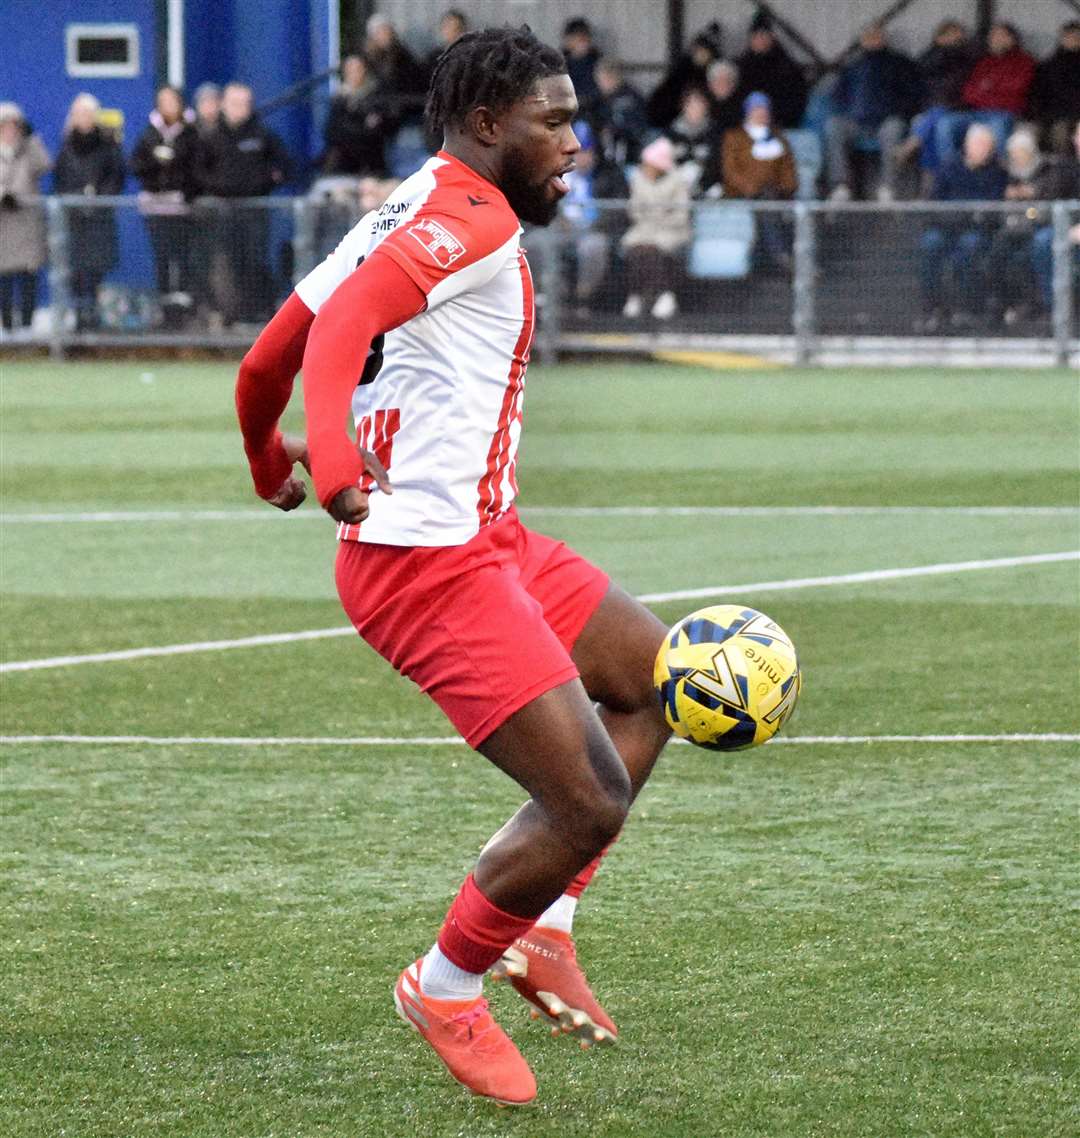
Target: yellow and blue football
x=727, y=677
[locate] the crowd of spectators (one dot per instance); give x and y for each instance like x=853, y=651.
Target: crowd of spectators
x=191, y=166
x=959, y=122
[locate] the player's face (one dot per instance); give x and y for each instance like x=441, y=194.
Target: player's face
x=538, y=148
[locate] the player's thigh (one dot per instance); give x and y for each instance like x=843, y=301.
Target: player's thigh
x=611, y=637
x=616, y=650
x=458, y=623
x=556, y=748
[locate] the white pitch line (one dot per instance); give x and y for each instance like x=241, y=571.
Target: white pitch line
x=457, y=741
x=679, y=595
x=264, y=515
x=861, y=578
x=177, y=649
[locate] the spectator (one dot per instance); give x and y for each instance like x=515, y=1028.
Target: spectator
x=691, y=134
x=691, y=70
x=960, y=243
x=618, y=116
x=874, y=96
x=89, y=164
x=23, y=160
x=360, y=121
x=996, y=91
x=452, y=26
x=766, y=66
x=241, y=158
x=401, y=77
x=1031, y=178
x=582, y=54
x=591, y=229
x=659, y=211
x=944, y=69
x=207, y=104
x=726, y=108
x=1055, y=93
x=164, y=162
x=1064, y=186
x=758, y=165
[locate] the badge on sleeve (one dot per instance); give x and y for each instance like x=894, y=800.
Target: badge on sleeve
x=441, y=245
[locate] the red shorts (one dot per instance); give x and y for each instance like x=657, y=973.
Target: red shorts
x=483, y=627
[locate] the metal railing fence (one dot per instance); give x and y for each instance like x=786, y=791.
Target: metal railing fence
x=804, y=281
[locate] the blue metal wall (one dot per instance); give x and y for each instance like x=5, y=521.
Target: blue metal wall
x=32, y=62
x=271, y=45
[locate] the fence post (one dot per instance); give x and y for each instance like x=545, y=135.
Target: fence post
x=802, y=285
x=1062, y=284
x=549, y=316
x=59, y=273
x=303, y=240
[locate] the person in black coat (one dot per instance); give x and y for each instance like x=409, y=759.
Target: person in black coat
x=90, y=164
x=765, y=66
x=691, y=70
x=960, y=241
x=360, y=122
x=164, y=162
x=582, y=55
x=726, y=104
x=241, y=158
x=1055, y=95
x=403, y=78
x=453, y=24
x=618, y=115
x=876, y=93
x=943, y=68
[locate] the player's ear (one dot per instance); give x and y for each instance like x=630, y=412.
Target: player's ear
x=483, y=125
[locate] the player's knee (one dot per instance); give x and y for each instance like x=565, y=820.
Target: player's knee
x=592, y=815
x=595, y=823
x=608, y=816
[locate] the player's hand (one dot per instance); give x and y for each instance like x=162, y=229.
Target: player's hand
x=349, y=505
x=291, y=494
x=297, y=451
x=376, y=469
x=293, y=490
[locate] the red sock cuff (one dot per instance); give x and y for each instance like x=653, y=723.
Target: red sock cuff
x=476, y=932
x=577, y=886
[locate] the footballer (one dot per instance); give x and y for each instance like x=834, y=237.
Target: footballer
x=414, y=338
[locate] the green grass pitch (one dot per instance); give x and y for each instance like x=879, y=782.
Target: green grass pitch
x=822, y=938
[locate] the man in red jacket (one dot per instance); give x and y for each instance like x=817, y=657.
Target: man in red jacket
x=995, y=94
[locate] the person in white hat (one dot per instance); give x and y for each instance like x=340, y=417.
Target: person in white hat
x=23, y=160
x=659, y=211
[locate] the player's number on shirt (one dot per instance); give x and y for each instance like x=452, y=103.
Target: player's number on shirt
x=374, y=360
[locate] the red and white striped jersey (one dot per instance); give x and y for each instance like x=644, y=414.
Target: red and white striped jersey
x=443, y=411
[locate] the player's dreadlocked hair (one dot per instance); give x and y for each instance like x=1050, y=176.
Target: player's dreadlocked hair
x=492, y=68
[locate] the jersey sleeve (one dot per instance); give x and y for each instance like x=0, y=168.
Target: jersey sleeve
x=448, y=253
x=318, y=286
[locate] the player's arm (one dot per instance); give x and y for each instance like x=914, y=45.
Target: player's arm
x=378, y=297
x=263, y=388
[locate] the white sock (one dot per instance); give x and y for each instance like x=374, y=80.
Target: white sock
x=560, y=914
x=442, y=979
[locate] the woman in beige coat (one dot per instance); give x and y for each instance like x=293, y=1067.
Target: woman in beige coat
x=23, y=160
x=659, y=209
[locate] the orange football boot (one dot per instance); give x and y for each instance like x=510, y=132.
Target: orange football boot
x=476, y=1051
x=542, y=965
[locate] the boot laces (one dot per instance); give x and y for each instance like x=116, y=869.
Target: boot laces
x=470, y=1016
